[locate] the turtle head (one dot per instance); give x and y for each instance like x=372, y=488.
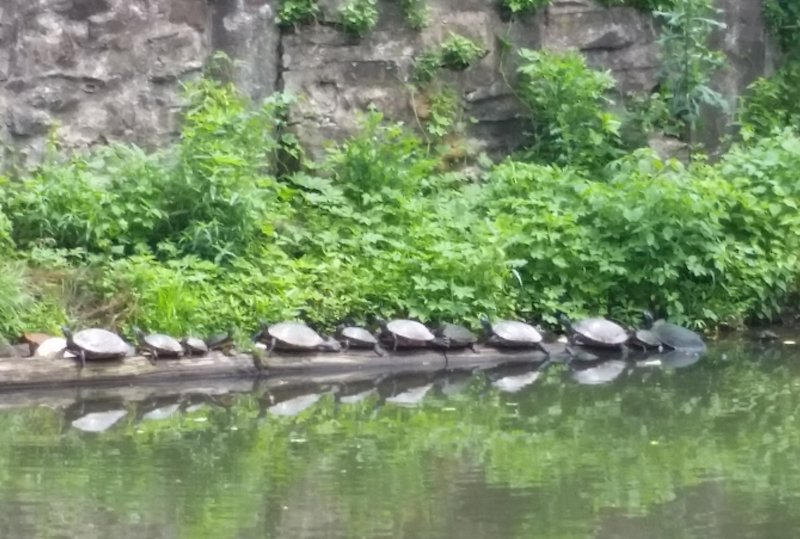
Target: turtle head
x=67, y=333
x=138, y=332
x=563, y=319
x=486, y=324
x=262, y=331
x=648, y=318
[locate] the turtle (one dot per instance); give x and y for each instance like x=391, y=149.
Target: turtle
x=513, y=334
x=452, y=336
x=672, y=335
x=194, y=346
x=597, y=332
x=52, y=347
x=293, y=336
x=95, y=343
x=158, y=345
x=34, y=340
x=403, y=333
x=358, y=337
x=644, y=339
x=221, y=341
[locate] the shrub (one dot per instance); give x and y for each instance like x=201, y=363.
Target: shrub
x=567, y=102
x=459, y=52
x=358, y=17
x=771, y=102
x=295, y=12
x=783, y=20
x=417, y=13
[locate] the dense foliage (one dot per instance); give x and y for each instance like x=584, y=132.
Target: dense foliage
x=783, y=19
x=568, y=104
x=215, y=231
x=771, y=102
x=689, y=62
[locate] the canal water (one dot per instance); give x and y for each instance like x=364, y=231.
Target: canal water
x=673, y=449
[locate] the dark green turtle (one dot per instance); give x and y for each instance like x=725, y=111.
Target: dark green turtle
x=674, y=336
x=452, y=336
x=402, y=333
x=358, y=337
x=512, y=334
x=158, y=345
x=194, y=346
x=597, y=332
x=221, y=341
x=644, y=339
x=293, y=336
x=95, y=343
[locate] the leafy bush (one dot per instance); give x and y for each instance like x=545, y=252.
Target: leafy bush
x=567, y=101
x=518, y=7
x=426, y=65
x=456, y=53
x=771, y=102
x=295, y=12
x=417, y=13
x=688, y=242
x=459, y=52
x=689, y=63
x=207, y=197
x=783, y=20
x=358, y=17
x=14, y=298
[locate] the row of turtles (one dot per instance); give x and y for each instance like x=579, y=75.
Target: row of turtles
x=96, y=343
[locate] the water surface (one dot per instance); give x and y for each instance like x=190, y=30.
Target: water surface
x=708, y=450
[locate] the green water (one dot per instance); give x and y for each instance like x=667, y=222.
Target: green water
x=710, y=450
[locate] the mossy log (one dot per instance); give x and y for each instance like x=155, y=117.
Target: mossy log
x=35, y=373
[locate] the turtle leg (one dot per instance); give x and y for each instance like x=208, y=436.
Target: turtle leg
x=446, y=359
x=345, y=345
x=472, y=347
x=394, y=346
x=153, y=356
x=378, y=349
x=541, y=347
x=273, y=341
x=83, y=358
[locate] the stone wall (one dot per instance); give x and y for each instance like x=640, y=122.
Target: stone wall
x=110, y=70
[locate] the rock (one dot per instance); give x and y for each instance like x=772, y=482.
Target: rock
x=669, y=148
x=26, y=121
x=81, y=9
x=111, y=70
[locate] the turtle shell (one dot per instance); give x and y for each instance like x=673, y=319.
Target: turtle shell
x=100, y=343
x=295, y=334
x=513, y=331
x=678, y=337
x=194, y=345
x=600, y=332
x=51, y=347
x=647, y=337
x=163, y=344
x=410, y=330
x=219, y=340
x=457, y=335
x=358, y=336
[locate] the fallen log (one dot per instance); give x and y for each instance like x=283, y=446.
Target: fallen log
x=35, y=373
